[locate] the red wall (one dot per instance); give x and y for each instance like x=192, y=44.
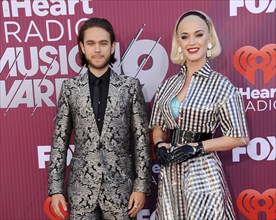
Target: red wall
x=38, y=51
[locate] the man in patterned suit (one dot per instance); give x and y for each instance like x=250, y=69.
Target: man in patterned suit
x=109, y=175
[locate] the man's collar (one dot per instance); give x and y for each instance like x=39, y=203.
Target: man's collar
x=104, y=78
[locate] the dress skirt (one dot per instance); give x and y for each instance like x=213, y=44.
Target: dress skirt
x=194, y=190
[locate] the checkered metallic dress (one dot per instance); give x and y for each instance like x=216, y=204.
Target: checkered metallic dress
x=196, y=189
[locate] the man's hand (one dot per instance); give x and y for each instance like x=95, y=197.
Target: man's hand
x=56, y=200
x=136, y=203
x=183, y=153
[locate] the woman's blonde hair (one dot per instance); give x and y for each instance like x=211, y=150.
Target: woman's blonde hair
x=176, y=58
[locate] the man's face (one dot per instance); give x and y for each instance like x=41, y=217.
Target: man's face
x=97, y=48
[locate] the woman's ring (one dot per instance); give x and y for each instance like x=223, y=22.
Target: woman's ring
x=135, y=206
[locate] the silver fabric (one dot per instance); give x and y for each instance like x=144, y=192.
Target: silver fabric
x=193, y=190
x=107, y=159
x=211, y=100
x=196, y=189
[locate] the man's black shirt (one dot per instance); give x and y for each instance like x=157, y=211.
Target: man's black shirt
x=103, y=85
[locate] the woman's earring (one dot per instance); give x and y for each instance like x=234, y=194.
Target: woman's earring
x=180, y=53
x=209, y=52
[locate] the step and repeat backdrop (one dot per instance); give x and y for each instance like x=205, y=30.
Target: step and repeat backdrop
x=39, y=51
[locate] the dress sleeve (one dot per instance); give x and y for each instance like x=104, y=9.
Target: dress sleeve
x=157, y=118
x=232, y=116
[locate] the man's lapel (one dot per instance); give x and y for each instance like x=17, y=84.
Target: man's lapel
x=84, y=101
x=112, y=99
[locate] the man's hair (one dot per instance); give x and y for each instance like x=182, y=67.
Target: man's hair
x=100, y=23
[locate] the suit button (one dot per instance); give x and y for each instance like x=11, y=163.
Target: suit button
x=99, y=164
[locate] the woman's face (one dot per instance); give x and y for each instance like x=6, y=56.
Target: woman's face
x=193, y=38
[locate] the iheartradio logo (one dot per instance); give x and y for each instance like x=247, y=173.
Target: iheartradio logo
x=251, y=203
x=248, y=59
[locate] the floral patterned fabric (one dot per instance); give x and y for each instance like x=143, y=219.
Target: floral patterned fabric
x=107, y=168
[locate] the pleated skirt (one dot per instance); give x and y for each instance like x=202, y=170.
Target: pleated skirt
x=194, y=190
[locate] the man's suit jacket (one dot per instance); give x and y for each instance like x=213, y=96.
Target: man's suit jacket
x=110, y=156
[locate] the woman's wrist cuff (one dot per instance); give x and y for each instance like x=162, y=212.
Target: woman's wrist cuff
x=157, y=143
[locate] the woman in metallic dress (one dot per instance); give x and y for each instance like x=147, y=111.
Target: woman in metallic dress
x=187, y=110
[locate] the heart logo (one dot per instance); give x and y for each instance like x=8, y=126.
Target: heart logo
x=247, y=60
x=250, y=202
